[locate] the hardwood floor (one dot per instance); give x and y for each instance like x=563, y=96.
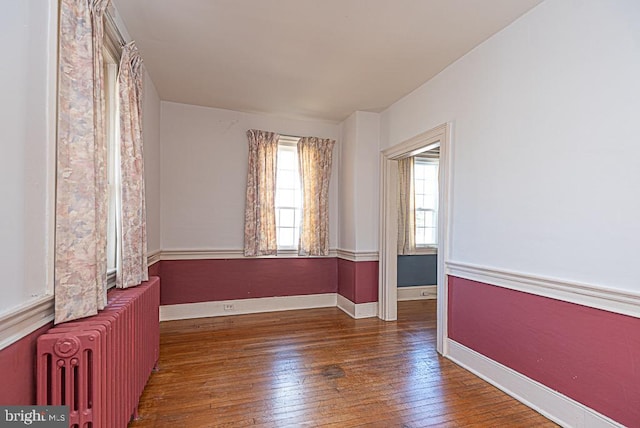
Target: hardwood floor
x=318, y=367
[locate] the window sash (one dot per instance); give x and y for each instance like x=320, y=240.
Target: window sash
x=426, y=202
x=288, y=195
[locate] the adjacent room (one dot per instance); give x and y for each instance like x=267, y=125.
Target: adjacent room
x=341, y=213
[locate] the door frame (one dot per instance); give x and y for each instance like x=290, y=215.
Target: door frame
x=388, y=261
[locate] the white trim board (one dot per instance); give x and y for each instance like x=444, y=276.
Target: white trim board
x=357, y=256
x=357, y=310
x=25, y=319
x=213, y=254
x=552, y=404
x=418, y=292
x=246, y=306
x=617, y=301
x=153, y=257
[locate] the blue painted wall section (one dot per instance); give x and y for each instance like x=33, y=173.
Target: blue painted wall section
x=421, y=269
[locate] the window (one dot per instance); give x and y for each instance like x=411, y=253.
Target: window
x=288, y=194
x=426, y=201
x=111, y=60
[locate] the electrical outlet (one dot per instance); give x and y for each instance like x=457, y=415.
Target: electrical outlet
x=228, y=307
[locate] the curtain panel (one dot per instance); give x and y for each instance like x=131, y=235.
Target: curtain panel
x=260, y=211
x=133, y=234
x=406, y=208
x=81, y=176
x=315, y=157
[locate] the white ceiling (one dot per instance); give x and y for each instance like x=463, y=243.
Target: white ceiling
x=320, y=59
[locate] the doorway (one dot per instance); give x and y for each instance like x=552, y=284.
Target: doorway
x=388, y=261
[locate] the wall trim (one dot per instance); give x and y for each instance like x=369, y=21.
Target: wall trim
x=357, y=256
x=552, y=404
x=25, y=319
x=153, y=257
x=357, y=310
x=246, y=306
x=416, y=292
x=207, y=254
x=617, y=301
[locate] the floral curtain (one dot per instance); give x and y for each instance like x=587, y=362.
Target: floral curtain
x=406, y=205
x=315, y=158
x=260, y=212
x=133, y=236
x=81, y=182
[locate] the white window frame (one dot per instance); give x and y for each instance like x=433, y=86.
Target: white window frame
x=289, y=144
x=431, y=248
x=111, y=57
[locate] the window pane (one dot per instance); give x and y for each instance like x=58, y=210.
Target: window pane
x=429, y=202
x=420, y=236
x=286, y=158
x=286, y=198
x=429, y=236
x=286, y=179
x=285, y=237
x=428, y=218
x=287, y=217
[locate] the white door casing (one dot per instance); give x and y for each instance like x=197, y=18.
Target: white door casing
x=388, y=268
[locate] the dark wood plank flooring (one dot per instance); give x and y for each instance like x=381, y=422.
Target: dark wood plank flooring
x=318, y=367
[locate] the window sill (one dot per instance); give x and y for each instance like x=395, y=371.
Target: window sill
x=111, y=279
x=426, y=250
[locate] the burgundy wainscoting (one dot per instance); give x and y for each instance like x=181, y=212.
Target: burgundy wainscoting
x=191, y=281
x=358, y=281
x=590, y=355
x=18, y=370
x=154, y=269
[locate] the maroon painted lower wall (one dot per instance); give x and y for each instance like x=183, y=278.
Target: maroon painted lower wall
x=18, y=370
x=358, y=281
x=190, y=281
x=154, y=269
x=587, y=354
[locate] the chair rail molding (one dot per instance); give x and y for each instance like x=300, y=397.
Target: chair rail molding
x=608, y=299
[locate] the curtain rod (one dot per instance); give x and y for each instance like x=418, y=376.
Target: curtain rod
x=111, y=23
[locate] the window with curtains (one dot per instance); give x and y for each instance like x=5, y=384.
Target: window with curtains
x=426, y=202
x=283, y=176
x=100, y=211
x=288, y=202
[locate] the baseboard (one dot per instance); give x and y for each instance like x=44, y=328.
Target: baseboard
x=418, y=292
x=552, y=404
x=357, y=310
x=246, y=306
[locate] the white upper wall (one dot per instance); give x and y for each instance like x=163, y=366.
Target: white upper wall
x=347, y=191
x=204, y=173
x=26, y=164
x=367, y=181
x=151, y=134
x=545, y=143
x=360, y=158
